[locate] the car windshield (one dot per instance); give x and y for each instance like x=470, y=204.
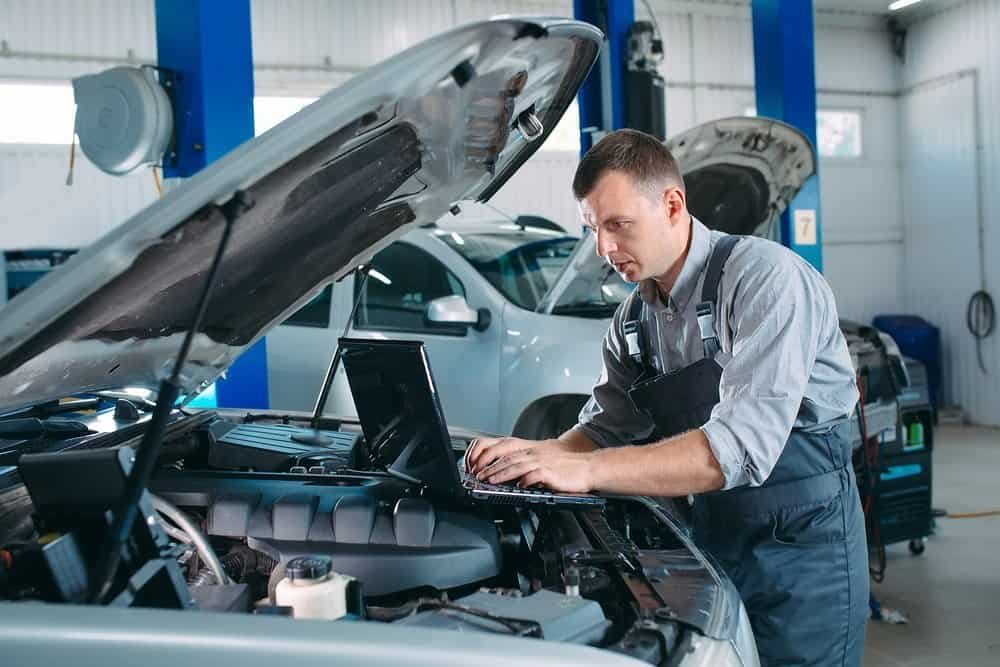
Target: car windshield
x=593, y=294
x=521, y=262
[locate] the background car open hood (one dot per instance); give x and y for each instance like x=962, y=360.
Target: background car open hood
x=392, y=148
x=740, y=174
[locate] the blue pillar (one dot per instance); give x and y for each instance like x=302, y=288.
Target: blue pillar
x=785, y=79
x=206, y=47
x=602, y=97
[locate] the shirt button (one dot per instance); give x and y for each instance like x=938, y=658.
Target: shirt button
x=670, y=318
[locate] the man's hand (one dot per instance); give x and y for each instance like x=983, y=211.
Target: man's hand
x=484, y=451
x=569, y=472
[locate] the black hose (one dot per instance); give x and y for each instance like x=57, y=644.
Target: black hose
x=980, y=317
x=243, y=561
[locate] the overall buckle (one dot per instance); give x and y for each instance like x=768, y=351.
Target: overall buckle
x=631, y=330
x=706, y=324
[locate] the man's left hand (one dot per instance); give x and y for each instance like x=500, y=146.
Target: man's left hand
x=568, y=472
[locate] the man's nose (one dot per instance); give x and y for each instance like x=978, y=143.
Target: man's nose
x=605, y=243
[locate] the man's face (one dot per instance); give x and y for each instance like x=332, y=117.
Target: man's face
x=640, y=235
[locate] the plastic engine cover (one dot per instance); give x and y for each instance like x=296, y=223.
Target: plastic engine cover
x=389, y=547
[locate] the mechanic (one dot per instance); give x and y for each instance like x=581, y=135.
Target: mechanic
x=726, y=379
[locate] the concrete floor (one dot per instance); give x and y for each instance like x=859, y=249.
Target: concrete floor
x=951, y=593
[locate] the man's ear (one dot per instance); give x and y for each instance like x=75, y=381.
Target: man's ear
x=675, y=203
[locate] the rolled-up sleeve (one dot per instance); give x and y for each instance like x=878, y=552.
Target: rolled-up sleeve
x=609, y=418
x=776, y=315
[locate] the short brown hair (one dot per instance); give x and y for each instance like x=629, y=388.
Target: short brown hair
x=640, y=155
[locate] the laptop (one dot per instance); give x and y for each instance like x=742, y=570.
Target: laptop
x=405, y=430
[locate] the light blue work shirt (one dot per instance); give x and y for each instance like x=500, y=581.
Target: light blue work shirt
x=785, y=362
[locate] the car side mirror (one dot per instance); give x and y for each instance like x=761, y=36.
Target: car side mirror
x=454, y=310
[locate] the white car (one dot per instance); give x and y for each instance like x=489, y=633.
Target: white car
x=513, y=310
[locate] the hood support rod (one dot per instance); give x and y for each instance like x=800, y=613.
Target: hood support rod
x=148, y=450
x=324, y=391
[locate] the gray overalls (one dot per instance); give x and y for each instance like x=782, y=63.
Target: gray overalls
x=795, y=546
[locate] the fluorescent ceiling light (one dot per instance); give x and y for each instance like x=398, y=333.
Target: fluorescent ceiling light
x=900, y=4
x=379, y=276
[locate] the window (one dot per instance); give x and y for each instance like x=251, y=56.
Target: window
x=403, y=280
x=36, y=113
x=838, y=133
x=316, y=313
x=268, y=111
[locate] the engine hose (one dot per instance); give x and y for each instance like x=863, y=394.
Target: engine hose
x=242, y=561
x=176, y=533
x=980, y=317
x=198, y=538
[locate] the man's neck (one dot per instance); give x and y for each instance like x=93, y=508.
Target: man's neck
x=665, y=281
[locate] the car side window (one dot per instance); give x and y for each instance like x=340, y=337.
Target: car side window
x=316, y=313
x=403, y=280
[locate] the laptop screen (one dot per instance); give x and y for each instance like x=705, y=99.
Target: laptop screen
x=399, y=410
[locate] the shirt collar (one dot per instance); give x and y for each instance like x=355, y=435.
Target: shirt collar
x=695, y=262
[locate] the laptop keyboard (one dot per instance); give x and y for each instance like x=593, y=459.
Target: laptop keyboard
x=470, y=482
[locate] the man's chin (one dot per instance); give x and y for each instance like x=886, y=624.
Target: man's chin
x=630, y=273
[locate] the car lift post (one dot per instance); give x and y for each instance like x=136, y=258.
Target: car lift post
x=602, y=97
x=785, y=82
x=205, y=52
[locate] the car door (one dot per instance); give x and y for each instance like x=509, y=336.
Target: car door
x=299, y=350
x=405, y=278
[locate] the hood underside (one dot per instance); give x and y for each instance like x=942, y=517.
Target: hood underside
x=740, y=173
x=330, y=186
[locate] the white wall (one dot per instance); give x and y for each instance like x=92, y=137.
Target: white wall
x=709, y=70
x=304, y=47
x=951, y=138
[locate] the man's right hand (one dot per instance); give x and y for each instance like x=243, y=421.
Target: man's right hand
x=484, y=451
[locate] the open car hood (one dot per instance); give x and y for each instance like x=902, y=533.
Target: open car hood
x=392, y=148
x=740, y=174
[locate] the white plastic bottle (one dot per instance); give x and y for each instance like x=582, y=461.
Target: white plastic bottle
x=312, y=590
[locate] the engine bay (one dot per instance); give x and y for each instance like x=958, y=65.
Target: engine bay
x=238, y=505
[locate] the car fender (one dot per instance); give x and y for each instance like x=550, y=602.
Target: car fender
x=546, y=355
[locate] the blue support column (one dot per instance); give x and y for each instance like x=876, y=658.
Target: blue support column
x=602, y=97
x=206, y=46
x=785, y=77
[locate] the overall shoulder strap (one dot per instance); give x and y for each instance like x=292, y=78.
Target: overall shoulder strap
x=707, y=307
x=633, y=329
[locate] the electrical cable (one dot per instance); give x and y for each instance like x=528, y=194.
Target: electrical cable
x=156, y=180
x=521, y=627
x=72, y=154
x=972, y=515
x=980, y=318
x=870, y=454
x=652, y=16
x=198, y=538
x=176, y=533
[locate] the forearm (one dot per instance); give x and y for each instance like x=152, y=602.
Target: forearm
x=676, y=466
